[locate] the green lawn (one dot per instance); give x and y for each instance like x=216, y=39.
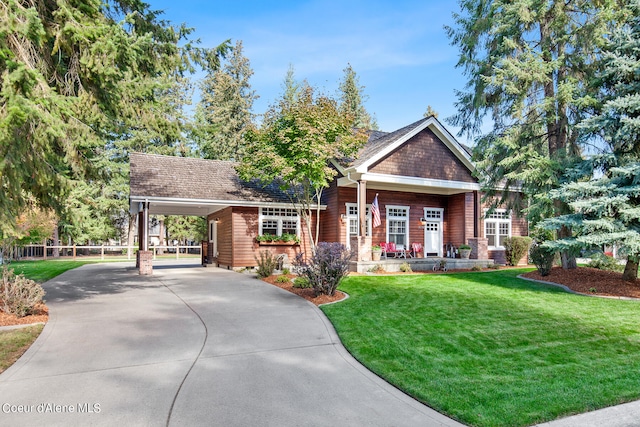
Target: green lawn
x=41, y=271
x=489, y=349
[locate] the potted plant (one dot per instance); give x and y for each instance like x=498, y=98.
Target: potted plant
x=376, y=252
x=465, y=251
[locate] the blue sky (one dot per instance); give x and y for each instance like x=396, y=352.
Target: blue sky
x=398, y=48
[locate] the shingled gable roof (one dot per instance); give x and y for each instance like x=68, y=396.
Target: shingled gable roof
x=193, y=186
x=381, y=144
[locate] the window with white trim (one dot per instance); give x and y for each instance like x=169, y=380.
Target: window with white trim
x=497, y=227
x=279, y=221
x=398, y=225
x=353, y=221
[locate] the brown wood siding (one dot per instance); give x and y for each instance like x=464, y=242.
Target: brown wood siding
x=332, y=229
x=454, y=224
x=424, y=156
x=243, y=248
x=455, y=220
x=224, y=237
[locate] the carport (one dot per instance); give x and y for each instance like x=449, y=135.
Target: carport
x=169, y=185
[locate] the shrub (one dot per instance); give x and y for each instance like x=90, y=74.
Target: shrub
x=378, y=268
x=286, y=271
x=405, y=267
x=326, y=268
x=18, y=294
x=515, y=248
x=605, y=262
x=266, y=264
x=282, y=279
x=476, y=268
x=301, y=283
x=542, y=257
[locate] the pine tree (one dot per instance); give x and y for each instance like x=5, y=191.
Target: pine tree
x=527, y=62
x=608, y=207
x=77, y=81
x=227, y=100
x=352, y=98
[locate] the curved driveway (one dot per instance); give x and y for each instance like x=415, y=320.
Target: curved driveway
x=192, y=346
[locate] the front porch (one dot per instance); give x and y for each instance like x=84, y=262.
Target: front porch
x=392, y=265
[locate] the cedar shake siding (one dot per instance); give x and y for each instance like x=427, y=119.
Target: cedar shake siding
x=424, y=156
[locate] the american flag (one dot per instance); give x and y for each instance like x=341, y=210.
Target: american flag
x=375, y=212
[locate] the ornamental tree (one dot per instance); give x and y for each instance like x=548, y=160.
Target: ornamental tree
x=294, y=147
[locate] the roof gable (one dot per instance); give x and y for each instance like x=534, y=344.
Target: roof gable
x=423, y=156
x=381, y=146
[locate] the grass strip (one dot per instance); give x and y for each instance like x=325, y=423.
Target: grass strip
x=489, y=349
x=14, y=342
x=41, y=271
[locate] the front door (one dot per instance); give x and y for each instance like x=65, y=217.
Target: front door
x=433, y=231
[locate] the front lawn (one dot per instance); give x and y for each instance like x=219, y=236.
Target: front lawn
x=489, y=349
x=41, y=271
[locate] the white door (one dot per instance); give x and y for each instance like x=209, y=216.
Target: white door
x=433, y=231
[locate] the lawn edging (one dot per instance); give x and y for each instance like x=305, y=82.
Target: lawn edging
x=571, y=291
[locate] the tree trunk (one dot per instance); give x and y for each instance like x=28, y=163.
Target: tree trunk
x=631, y=269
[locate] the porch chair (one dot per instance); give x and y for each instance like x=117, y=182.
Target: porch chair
x=416, y=248
x=389, y=248
x=383, y=246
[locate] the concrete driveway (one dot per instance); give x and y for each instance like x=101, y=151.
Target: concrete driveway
x=192, y=346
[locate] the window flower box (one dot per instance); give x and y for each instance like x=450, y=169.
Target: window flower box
x=284, y=240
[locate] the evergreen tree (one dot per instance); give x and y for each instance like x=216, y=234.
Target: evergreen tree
x=291, y=87
x=608, y=207
x=527, y=62
x=352, y=99
x=227, y=100
x=80, y=83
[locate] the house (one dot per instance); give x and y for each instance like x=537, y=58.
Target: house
x=422, y=178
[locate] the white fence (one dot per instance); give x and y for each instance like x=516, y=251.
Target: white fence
x=101, y=251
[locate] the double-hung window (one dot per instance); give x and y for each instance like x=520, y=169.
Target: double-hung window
x=497, y=227
x=354, y=221
x=279, y=221
x=398, y=225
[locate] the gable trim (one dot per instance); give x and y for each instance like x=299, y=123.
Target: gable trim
x=437, y=128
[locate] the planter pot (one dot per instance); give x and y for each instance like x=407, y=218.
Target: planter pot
x=465, y=253
x=375, y=255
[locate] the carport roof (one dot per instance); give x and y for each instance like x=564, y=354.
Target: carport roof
x=190, y=186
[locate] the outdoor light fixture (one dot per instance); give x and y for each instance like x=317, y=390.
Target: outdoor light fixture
x=216, y=220
x=423, y=221
x=343, y=218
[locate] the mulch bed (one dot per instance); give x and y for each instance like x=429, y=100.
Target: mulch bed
x=591, y=281
x=308, y=293
x=40, y=315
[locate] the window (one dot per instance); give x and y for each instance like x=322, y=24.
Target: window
x=279, y=221
x=354, y=221
x=497, y=227
x=398, y=225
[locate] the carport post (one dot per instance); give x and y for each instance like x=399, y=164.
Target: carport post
x=145, y=257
